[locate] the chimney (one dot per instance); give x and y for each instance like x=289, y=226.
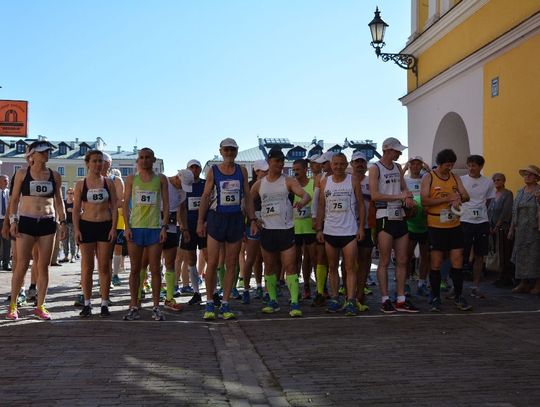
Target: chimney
x=321, y=143
x=76, y=140
x=118, y=149
x=134, y=149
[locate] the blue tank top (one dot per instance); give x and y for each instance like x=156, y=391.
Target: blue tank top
x=228, y=191
x=193, y=201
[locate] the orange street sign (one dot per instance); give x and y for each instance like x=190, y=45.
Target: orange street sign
x=13, y=118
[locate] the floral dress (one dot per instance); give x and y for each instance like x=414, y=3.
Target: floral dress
x=526, y=253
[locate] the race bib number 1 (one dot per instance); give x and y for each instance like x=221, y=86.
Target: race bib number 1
x=147, y=198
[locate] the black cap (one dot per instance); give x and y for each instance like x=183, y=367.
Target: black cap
x=275, y=152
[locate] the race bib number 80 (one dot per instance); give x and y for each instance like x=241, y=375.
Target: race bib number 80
x=41, y=188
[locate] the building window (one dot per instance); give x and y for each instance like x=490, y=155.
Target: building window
x=62, y=150
x=80, y=172
x=21, y=148
x=83, y=150
x=61, y=171
x=2, y=149
x=125, y=171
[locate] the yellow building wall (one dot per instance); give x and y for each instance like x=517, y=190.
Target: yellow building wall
x=492, y=20
x=512, y=119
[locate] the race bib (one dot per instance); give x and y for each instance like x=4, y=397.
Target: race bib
x=302, y=213
x=41, y=188
x=229, y=193
x=477, y=213
x=338, y=204
x=194, y=203
x=270, y=208
x=394, y=213
x=446, y=216
x=146, y=198
x=97, y=195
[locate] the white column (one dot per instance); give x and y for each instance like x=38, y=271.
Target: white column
x=414, y=21
x=433, y=12
x=445, y=6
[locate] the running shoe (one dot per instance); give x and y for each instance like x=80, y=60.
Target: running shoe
x=319, y=301
x=157, y=315
x=32, y=295
x=295, y=310
x=209, y=313
x=172, y=305
x=147, y=288
x=200, y=280
x=162, y=294
x=462, y=304
x=333, y=306
x=350, y=309
x=272, y=307
x=342, y=290
x=245, y=297
x=21, y=299
x=196, y=299
x=226, y=312
x=240, y=282
x=235, y=294
x=132, y=315
x=86, y=311
x=444, y=286
x=42, y=313
x=104, y=312
x=422, y=291
x=116, y=280
x=406, y=306
x=79, y=301
x=259, y=293
x=475, y=293
x=368, y=291
x=436, y=305
x=177, y=292
x=187, y=290
x=361, y=307
x=13, y=313
x=387, y=307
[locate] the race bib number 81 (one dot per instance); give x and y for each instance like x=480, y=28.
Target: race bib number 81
x=147, y=198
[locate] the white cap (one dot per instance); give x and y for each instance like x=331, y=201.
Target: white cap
x=228, y=142
x=358, y=155
x=260, y=165
x=194, y=162
x=416, y=157
x=38, y=147
x=392, y=143
x=106, y=157
x=186, y=178
x=313, y=157
x=325, y=157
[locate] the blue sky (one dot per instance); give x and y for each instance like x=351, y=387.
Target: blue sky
x=179, y=76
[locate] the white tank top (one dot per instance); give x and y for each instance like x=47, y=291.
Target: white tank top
x=340, y=206
x=389, y=184
x=366, y=195
x=276, y=208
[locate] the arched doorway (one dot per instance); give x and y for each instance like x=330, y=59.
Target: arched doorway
x=452, y=133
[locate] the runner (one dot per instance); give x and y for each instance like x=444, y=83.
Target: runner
x=35, y=207
x=177, y=186
x=304, y=234
x=94, y=224
x=190, y=240
x=390, y=193
x=145, y=228
x=226, y=186
x=277, y=234
x=417, y=224
x=253, y=262
x=359, y=165
x=474, y=220
x=442, y=195
x=340, y=225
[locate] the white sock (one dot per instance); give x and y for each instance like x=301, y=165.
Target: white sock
x=194, y=277
x=116, y=264
x=87, y=302
x=384, y=298
x=421, y=282
x=401, y=298
x=104, y=303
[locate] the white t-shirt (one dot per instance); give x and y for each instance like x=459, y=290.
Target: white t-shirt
x=480, y=190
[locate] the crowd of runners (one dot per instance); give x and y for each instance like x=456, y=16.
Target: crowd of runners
x=324, y=223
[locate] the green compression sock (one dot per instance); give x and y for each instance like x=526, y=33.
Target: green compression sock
x=320, y=274
x=221, y=275
x=142, y=279
x=271, y=284
x=294, y=289
x=170, y=276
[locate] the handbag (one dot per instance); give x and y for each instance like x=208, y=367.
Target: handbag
x=492, y=258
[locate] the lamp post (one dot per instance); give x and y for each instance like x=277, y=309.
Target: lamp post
x=378, y=28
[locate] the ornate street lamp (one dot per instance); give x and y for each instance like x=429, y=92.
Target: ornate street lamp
x=378, y=28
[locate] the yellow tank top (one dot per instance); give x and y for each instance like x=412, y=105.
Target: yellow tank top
x=440, y=216
x=120, y=224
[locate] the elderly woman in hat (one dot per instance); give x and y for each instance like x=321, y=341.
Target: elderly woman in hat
x=36, y=210
x=525, y=231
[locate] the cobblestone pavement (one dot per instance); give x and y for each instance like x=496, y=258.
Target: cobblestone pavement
x=490, y=357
